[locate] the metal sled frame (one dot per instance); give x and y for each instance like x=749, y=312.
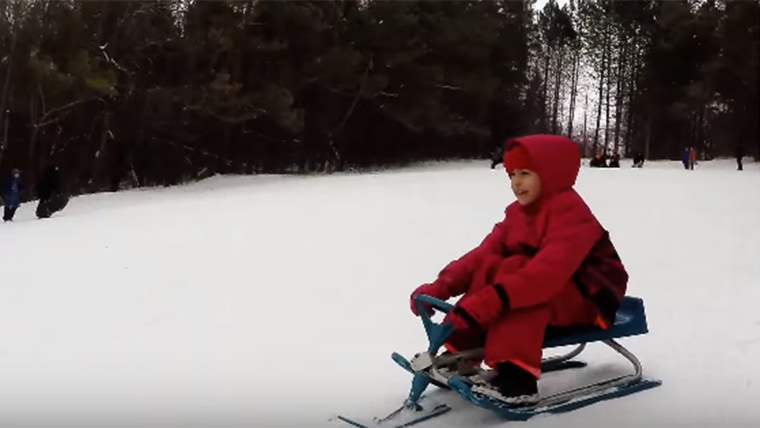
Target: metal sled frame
x=440, y=375
x=428, y=368
x=630, y=321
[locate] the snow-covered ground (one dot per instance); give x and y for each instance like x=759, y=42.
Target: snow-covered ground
x=274, y=301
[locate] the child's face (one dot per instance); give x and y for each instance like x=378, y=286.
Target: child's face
x=526, y=185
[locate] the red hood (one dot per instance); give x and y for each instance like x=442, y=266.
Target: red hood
x=556, y=159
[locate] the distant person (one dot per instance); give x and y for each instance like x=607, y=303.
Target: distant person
x=614, y=161
x=739, y=155
x=692, y=157
x=12, y=187
x=685, y=158
x=497, y=156
x=52, y=199
x=638, y=160
x=598, y=162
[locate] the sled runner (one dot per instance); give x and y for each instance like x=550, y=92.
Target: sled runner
x=445, y=371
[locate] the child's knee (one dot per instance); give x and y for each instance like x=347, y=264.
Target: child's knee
x=462, y=340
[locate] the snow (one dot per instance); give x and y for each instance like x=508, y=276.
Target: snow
x=276, y=301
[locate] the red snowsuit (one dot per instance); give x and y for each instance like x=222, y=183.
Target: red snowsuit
x=548, y=263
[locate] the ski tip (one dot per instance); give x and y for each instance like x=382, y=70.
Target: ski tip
x=400, y=418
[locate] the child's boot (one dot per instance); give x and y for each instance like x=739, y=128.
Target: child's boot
x=512, y=385
x=462, y=366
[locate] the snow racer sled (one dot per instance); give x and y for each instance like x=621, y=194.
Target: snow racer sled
x=444, y=371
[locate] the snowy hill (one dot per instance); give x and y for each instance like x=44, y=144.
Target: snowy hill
x=276, y=301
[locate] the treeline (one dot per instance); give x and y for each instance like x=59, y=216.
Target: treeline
x=131, y=93
x=659, y=75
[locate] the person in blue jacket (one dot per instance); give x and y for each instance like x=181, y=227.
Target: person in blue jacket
x=12, y=187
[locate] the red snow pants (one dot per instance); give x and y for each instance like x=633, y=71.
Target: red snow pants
x=519, y=335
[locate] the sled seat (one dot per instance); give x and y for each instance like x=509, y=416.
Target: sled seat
x=630, y=320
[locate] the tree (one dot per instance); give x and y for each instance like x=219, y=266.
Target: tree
x=139, y=93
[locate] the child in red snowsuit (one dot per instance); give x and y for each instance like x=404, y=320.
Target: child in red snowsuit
x=547, y=263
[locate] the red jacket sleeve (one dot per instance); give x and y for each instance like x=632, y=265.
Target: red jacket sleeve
x=571, y=232
x=457, y=275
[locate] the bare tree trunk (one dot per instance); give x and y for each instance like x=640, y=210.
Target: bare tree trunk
x=101, y=154
x=573, y=92
x=608, y=49
x=3, y=144
x=633, y=76
x=648, y=139
x=699, y=132
x=557, y=86
x=585, y=126
x=4, y=110
x=704, y=126
x=33, y=131
x=602, y=69
x=622, y=53
x=545, y=89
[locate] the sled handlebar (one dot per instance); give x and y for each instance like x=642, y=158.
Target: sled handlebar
x=421, y=299
x=436, y=333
